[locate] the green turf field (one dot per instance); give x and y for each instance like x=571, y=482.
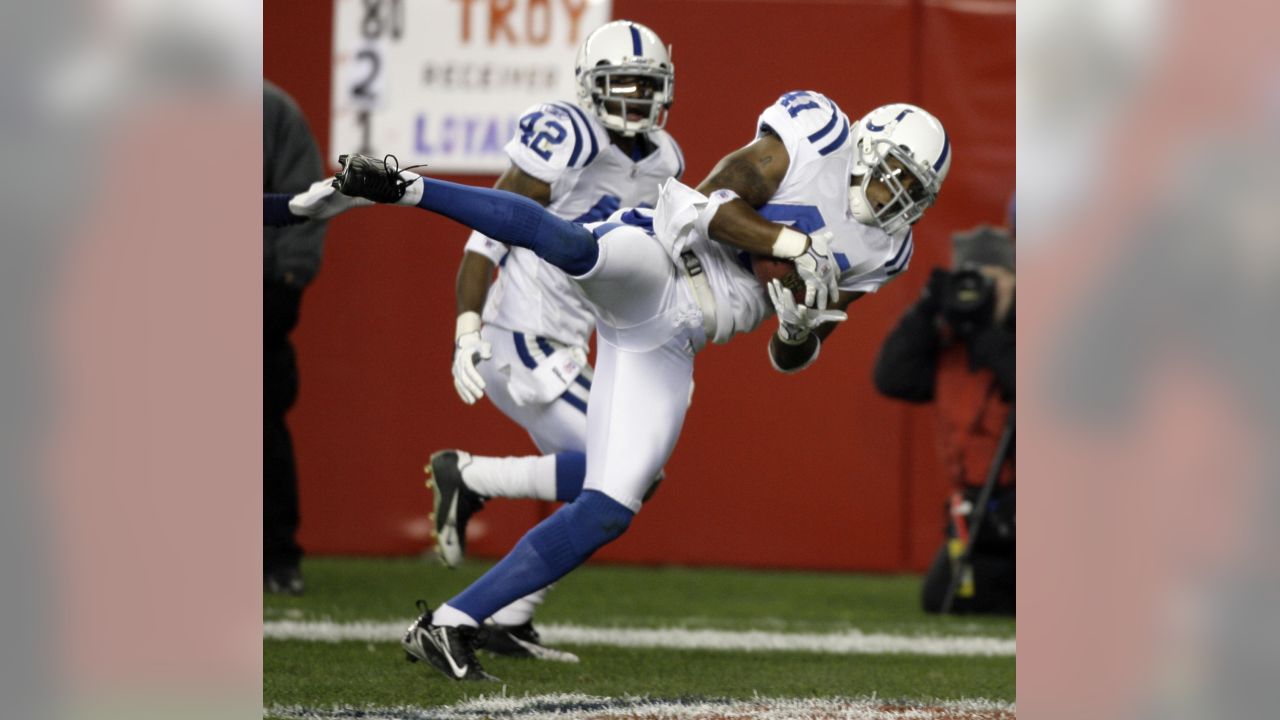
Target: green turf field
x=372, y=673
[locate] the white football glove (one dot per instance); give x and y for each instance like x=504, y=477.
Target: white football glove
x=468, y=349
x=818, y=269
x=796, y=321
x=321, y=201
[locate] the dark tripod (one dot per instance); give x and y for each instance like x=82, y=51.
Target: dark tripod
x=965, y=561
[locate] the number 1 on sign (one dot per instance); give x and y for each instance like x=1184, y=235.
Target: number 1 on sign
x=362, y=118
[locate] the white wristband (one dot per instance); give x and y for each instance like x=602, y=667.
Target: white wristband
x=790, y=243
x=468, y=322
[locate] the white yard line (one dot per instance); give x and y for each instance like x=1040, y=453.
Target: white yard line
x=842, y=643
x=563, y=706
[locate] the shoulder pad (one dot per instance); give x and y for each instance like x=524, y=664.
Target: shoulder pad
x=667, y=144
x=675, y=148
x=553, y=138
x=806, y=119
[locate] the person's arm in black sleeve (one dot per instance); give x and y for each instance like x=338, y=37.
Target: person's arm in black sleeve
x=292, y=163
x=275, y=210
x=907, y=365
x=993, y=347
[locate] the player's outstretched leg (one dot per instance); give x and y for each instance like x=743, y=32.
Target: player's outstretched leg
x=506, y=217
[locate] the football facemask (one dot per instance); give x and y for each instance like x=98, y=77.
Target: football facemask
x=894, y=193
x=901, y=157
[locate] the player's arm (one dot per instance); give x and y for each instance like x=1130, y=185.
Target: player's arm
x=475, y=274
x=799, y=338
x=752, y=174
x=275, y=210
x=745, y=180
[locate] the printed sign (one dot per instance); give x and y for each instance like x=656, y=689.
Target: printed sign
x=442, y=82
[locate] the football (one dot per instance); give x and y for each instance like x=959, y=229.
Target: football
x=767, y=268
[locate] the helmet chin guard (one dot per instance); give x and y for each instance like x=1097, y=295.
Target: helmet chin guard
x=625, y=77
x=906, y=152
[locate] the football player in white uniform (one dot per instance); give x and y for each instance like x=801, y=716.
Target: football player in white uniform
x=528, y=350
x=836, y=199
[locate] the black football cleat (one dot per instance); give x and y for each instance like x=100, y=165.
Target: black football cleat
x=371, y=178
x=454, y=504
x=451, y=650
x=521, y=641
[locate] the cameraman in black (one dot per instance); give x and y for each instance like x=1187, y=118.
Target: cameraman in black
x=955, y=348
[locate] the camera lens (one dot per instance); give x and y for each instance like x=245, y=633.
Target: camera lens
x=968, y=299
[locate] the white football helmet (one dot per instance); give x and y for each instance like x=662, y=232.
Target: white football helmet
x=919, y=144
x=625, y=77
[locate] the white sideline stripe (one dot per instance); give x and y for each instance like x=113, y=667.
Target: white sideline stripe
x=843, y=643
x=562, y=706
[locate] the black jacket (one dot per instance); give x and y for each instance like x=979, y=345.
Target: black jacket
x=290, y=163
x=906, y=368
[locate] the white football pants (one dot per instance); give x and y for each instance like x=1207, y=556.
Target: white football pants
x=648, y=329
x=556, y=426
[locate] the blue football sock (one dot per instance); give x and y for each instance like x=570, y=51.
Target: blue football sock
x=571, y=472
x=547, y=553
x=515, y=220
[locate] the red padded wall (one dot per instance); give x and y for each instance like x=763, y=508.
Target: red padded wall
x=862, y=492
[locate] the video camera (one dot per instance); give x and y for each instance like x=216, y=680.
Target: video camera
x=966, y=299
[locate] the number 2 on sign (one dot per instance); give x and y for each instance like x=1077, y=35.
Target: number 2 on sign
x=380, y=18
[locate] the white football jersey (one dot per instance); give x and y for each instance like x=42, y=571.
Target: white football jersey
x=813, y=196
x=590, y=178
